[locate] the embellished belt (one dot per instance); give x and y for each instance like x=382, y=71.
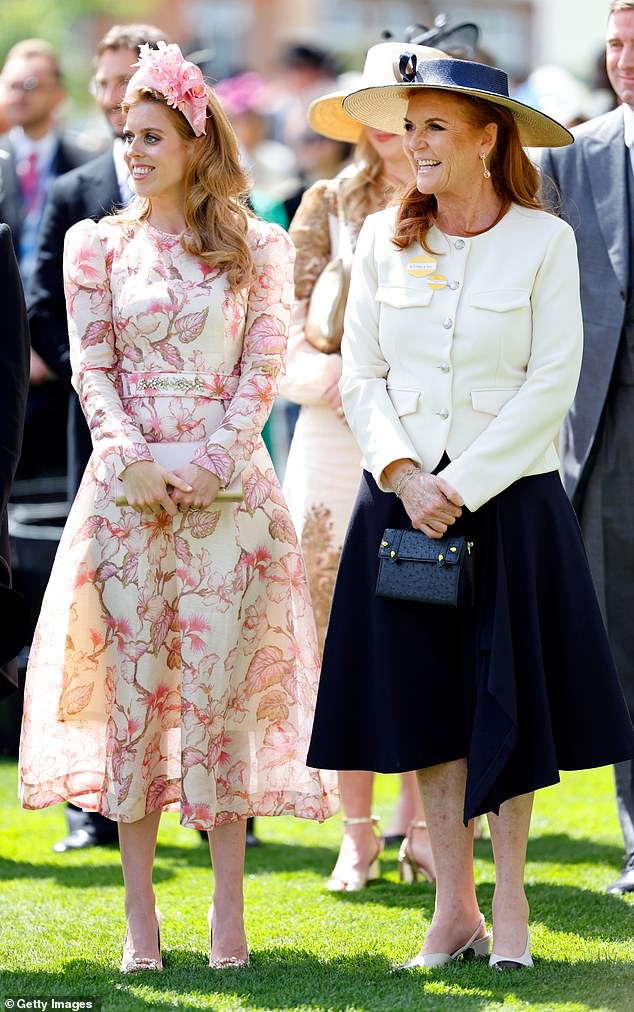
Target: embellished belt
x=213, y=385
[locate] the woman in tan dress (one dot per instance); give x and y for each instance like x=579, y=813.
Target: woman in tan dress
x=324, y=463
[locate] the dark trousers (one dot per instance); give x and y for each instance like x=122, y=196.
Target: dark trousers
x=624, y=783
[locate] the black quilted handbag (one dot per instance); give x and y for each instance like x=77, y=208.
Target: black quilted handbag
x=414, y=567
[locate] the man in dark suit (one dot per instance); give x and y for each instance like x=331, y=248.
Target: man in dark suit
x=14, y=381
x=595, y=177
x=32, y=153
x=90, y=191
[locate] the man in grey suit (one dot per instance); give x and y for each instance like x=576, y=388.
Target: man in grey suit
x=595, y=178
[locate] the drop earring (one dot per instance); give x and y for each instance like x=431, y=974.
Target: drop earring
x=486, y=173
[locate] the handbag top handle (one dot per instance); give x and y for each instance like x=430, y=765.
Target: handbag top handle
x=340, y=245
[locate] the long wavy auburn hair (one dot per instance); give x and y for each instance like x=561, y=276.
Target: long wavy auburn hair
x=216, y=192
x=515, y=179
x=369, y=189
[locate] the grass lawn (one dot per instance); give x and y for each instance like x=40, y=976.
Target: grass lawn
x=61, y=919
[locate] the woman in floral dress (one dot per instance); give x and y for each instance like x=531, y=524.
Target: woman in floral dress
x=175, y=661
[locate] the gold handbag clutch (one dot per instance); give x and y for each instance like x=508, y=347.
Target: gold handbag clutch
x=324, y=318
x=327, y=305
x=174, y=455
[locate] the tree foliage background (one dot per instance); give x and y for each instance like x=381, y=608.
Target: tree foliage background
x=67, y=25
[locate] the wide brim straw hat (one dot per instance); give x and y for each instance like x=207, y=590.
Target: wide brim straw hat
x=384, y=106
x=326, y=114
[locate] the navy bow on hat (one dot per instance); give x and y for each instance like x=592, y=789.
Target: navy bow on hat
x=462, y=74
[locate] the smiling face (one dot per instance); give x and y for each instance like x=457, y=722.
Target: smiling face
x=156, y=154
x=114, y=70
x=619, y=54
x=443, y=146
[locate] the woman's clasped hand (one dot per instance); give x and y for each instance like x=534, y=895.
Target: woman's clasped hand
x=150, y=488
x=431, y=503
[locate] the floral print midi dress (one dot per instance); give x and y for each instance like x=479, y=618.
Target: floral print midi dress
x=174, y=663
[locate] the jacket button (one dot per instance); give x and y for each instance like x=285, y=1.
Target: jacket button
x=448, y=324
x=453, y=285
x=443, y=413
x=444, y=367
x=460, y=244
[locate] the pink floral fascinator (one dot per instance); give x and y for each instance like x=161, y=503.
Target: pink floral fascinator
x=180, y=82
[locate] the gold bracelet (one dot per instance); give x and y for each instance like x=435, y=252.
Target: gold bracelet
x=399, y=487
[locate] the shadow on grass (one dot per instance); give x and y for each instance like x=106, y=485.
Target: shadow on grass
x=71, y=874
x=563, y=849
x=292, y=978
x=559, y=907
x=268, y=858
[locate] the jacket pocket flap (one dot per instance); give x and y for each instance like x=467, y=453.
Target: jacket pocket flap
x=404, y=400
x=501, y=301
x=492, y=399
x=403, y=298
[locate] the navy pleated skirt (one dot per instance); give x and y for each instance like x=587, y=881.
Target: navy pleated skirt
x=522, y=685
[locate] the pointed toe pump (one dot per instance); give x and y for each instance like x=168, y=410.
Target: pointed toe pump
x=477, y=946
x=131, y=963
x=223, y=962
x=523, y=962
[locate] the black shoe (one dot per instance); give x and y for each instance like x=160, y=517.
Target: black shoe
x=624, y=884
x=77, y=840
x=393, y=840
x=251, y=839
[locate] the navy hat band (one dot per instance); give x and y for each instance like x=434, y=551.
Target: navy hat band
x=448, y=73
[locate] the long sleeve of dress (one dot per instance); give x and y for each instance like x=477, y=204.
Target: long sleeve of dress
x=92, y=347
x=270, y=297
x=309, y=372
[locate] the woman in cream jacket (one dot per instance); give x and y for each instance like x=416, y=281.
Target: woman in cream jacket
x=461, y=355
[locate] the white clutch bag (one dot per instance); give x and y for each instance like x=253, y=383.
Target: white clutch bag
x=172, y=456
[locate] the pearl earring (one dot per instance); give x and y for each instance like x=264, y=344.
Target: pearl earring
x=486, y=173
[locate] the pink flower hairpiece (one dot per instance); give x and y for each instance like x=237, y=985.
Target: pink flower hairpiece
x=180, y=82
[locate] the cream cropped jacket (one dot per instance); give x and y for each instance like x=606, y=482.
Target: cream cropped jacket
x=474, y=351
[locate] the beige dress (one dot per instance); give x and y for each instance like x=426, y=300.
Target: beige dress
x=324, y=461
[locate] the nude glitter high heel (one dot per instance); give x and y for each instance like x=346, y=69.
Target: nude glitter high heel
x=131, y=963
x=408, y=868
x=225, y=962
x=476, y=946
x=356, y=879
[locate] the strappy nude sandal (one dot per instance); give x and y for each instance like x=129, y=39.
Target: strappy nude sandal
x=409, y=869
x=356, y=879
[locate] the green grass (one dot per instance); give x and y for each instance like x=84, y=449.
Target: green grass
x=61, y=919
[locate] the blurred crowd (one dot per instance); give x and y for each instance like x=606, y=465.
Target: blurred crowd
x=281, y=153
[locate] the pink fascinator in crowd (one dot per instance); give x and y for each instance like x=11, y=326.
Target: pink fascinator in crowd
x=180, y=82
